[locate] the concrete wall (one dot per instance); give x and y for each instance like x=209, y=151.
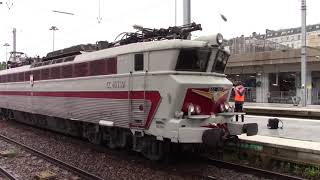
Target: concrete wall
x=271, y=57
x=263, y=63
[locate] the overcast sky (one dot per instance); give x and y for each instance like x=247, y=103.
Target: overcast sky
x=33, y=18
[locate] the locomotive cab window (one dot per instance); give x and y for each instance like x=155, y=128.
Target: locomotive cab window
x=220, y=62
x=193, y=60
x=138, y=62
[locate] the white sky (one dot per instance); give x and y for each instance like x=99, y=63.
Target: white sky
x=33, y=18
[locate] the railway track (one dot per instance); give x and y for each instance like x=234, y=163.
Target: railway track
x=250, y=170
x=6, y=175
x=81, y=173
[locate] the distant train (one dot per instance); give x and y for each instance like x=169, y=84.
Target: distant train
x=149, y=90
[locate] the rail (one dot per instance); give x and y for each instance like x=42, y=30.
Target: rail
x=80, y=172
x=250, y=170
x=6, y=174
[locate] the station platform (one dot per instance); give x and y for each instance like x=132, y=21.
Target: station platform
x=291, y=150
x=285, y=110
x=297, y=141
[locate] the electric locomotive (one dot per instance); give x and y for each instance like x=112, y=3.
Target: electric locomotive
x=148, y=91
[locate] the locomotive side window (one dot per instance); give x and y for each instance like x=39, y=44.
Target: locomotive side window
x=14, y=77
x=27, y=76
x=45, y=74
x=193, y=60
x=4, y=78
x=36, y=75
x=112, y=66
x=55, y=73
x=70, y=58
x=220, y=62
x=21, y=77
x=81, y=69
x=66, y=71
x=97, y=67
x=138, y=62
x=9, y=78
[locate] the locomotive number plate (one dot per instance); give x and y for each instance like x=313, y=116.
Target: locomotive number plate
x=116, y=84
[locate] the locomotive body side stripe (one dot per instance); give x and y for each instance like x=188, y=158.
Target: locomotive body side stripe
x=102, y=100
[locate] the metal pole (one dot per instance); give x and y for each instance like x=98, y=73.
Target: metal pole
x=53, y=40
x=6, y=53
x=14, y=44
x=53, y=29
x=175, y=12
x=187, y=13
x=303, y=53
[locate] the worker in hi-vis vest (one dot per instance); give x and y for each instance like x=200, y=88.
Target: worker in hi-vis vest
x=239, y=93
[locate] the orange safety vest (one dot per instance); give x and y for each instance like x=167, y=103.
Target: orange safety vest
x=238, y=97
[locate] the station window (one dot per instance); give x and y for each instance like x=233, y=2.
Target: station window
x=138, y=62
x=66, y=71
x=55, y=72
x=81, y=69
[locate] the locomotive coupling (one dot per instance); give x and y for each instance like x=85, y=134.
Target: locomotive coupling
x=213, y=137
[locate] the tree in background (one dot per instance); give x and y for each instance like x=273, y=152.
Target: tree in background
x=3, y=65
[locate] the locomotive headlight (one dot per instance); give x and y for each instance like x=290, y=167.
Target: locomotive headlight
x=178, y=114
x=197, y=109
x=226, y=106
x=222, y=107
x=191, y=109
x=219, y=38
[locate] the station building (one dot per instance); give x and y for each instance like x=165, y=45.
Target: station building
x=269, y=65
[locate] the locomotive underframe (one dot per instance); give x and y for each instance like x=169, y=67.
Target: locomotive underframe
x=116, y=137
x=112, y=137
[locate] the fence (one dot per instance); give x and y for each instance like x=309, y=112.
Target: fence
x=281, y=97
x=241, y=46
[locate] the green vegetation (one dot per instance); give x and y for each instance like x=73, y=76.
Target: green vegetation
x=3, y=65
x=261, y=161
x=312, y=172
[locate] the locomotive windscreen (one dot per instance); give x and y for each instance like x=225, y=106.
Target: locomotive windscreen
x=194, y=59
x=220, y=62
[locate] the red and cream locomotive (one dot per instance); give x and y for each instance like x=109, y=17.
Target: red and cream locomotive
x=151, y=89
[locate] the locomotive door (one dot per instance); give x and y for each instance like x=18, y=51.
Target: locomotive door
x=138, y=86
x=30, y=98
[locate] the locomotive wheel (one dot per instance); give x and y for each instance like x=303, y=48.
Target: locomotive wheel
x=112, y=138
x=154, y=149
x=117, y=137
x=92, y=133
